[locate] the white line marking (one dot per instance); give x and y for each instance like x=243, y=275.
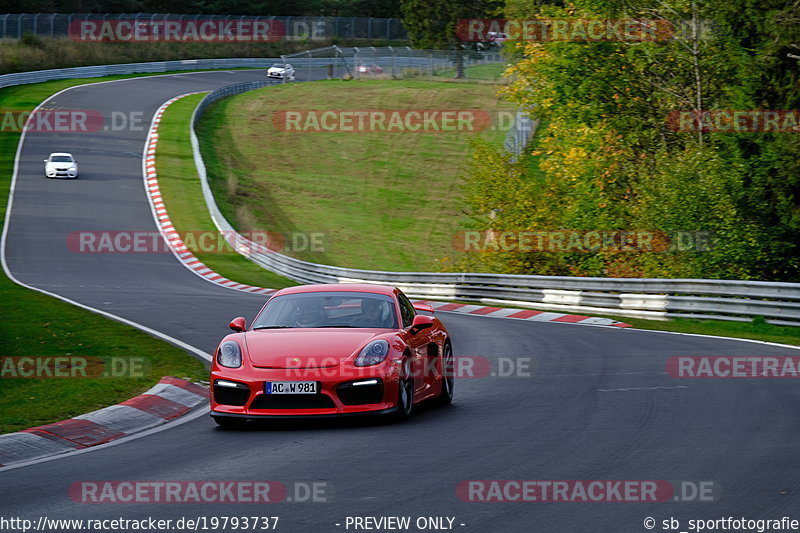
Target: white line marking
x=643, y=388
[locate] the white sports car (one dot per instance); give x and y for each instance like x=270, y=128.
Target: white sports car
x=61, y=165
x=282, y=71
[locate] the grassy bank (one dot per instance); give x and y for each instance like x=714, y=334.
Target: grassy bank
x=180, y=189
x=382, y=200
x=322, y=179
x=35, y=325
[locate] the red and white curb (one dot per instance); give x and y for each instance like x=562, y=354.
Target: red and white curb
x=190, y=261
x=173, y=239
x=167, y=400
x=523, y=314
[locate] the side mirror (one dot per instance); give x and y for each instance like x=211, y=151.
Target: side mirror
x=421, y=322
x=45, y=160
x=238, y=324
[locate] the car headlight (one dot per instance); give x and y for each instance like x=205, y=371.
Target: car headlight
x=373, y=353
x=73, y=169
x=230, y=355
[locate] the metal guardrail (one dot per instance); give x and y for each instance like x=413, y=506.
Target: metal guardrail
x=400, y=58
x=520, y=134
x=15, y=25
x=38, y=76
x=646, y=298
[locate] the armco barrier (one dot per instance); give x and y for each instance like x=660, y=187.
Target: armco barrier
x=646, y=298
x=38, y=76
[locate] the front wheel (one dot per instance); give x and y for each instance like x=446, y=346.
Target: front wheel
x=405, y=393
x=446, y=396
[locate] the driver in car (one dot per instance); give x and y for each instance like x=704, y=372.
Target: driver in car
x=309, y=313
x=372, y=314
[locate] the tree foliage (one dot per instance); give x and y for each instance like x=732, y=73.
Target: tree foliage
x=608, y=158
x=432, y=23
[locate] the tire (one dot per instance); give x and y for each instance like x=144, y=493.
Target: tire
x=405, y=394
x=446, y=396
x=230, y=422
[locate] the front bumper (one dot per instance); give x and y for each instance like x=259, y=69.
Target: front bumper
x=313, y=416
x=61, y=174
x=366, y=390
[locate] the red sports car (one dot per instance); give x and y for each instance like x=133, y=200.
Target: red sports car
x=330, y=351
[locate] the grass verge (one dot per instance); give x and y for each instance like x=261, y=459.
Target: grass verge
x=488, y=72
x=359, y=190
x=757, y=330
x=35, y=325
x=180, y=189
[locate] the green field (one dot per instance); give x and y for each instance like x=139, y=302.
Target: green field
x=33, y=324
x=382, y=200
x=488, y=72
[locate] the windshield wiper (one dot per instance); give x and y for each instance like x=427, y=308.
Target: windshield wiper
x=272, y=327
x=336, y=326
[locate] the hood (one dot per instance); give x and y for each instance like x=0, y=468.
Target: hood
x=306, y=347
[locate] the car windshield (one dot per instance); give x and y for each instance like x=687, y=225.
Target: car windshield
x=328, y=310
x=277, y=65
x=61, y=159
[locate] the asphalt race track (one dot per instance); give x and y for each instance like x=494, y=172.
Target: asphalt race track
x=598, y=404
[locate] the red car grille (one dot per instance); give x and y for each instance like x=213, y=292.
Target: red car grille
x=293, y=401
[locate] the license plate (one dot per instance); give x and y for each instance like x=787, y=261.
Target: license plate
x=290, y=387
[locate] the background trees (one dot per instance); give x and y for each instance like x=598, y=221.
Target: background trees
x=606, y=157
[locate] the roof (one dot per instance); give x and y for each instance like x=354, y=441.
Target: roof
x=339, y=287
x=60, y=153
